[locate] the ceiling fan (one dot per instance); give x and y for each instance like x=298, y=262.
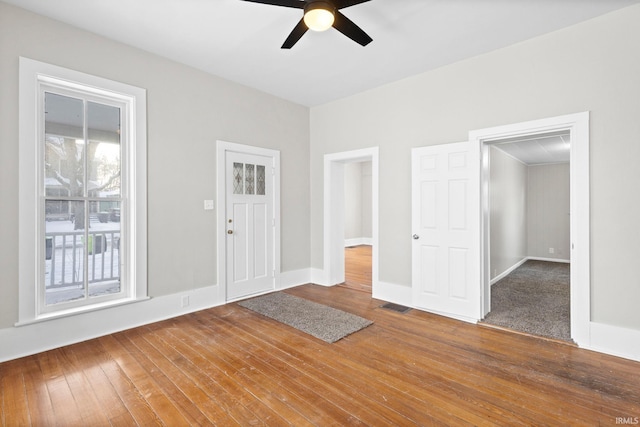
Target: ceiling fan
x=320, y=15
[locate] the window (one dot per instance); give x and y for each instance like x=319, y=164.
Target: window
x=246, y=181
x=83, y=192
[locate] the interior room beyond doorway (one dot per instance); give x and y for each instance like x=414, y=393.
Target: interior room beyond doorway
x=529, y=194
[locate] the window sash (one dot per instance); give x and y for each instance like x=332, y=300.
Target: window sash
x=86, y=96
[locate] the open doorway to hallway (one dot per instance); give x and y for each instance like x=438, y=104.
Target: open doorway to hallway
x=357, y=225
x=336, y=237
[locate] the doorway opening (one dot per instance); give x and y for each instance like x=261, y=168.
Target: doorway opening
x=577, y=127
x=529, y=235
x=346, y=227
x=357, y=227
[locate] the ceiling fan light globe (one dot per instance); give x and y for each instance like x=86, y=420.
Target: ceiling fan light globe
x=319, y=19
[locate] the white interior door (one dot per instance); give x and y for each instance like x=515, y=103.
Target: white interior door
x=250, y=224
x=446, y=225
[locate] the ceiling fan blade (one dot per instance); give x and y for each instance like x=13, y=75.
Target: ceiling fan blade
x=295, y=35
x=285, y=3
x=351, y=30
x=341, y=4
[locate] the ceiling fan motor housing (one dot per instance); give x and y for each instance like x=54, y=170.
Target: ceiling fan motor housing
x=319, y=15
x=320, y=4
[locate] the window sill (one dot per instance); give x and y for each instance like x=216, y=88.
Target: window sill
x=80, y=310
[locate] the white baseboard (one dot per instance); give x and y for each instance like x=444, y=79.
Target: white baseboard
x=38, y=337
x=319, y=277
x=391, y=292
x=291, y=279
x=42, y=336
x=536, y=258
x=522, y=261
x=614, y=340
x=358, y=241
x=508, y=271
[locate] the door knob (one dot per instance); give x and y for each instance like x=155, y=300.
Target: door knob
x=416, y=237
x=229, y=231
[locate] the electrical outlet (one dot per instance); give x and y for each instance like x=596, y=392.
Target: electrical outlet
x=185, y=301
x=552, y=250
x=208, y=205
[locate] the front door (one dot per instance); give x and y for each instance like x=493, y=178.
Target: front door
x=250, y=224
x=446, y=229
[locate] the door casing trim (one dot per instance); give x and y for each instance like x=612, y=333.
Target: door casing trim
x=333, y=234
x=222, y=147
x=578, y=126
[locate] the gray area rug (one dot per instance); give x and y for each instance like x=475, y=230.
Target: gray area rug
x=327, y=323
x=534, y=299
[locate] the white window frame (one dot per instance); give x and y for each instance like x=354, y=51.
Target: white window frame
x=35, y=77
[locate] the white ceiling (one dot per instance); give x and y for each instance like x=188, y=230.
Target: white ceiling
x=240, y=41
x=539, y=149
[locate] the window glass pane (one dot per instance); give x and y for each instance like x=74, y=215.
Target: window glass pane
x=104, y=248
x=64, y=253
x=260, y=180
x=249, y=188
x=103, y=128
x=64, y=145
x=238, y=178
x=68, y=250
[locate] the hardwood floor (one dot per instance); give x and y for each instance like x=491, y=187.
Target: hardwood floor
x=357, y=268
x=231, y=366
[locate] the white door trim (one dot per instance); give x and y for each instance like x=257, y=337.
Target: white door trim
x=222, y=147
x=578, y=126
x=333, y=234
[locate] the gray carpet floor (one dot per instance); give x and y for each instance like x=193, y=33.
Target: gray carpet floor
x=534, y=299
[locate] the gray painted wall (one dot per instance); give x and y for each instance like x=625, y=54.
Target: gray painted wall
x=508, y=211
x=548, y=217
x=188, y=111
x=592, y=66
x=529, y=211
x=357, y=200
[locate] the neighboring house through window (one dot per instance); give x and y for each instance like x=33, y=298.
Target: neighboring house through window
x=82, y=192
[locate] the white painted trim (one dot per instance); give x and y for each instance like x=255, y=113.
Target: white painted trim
x=39, y=337
x=465, y=319
x=333, y=235
x=578, y=126
x=221, y=148
x=43, y=336
x=291, y=279
x=535, y=258
x=522, y=261
x=392, y=292
x=319, y=277
x=508, y=271
x=358, y=241
x=35, y=76
x=615, y=340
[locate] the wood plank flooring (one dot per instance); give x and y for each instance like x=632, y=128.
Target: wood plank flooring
x=357, y=268
x=231, y=366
